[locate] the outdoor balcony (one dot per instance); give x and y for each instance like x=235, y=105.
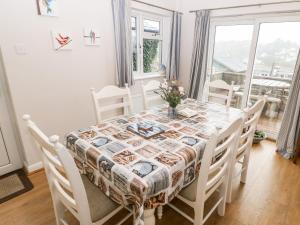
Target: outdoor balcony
x=275, y=88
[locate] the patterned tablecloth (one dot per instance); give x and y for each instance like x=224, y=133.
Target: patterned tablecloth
x=145, y=173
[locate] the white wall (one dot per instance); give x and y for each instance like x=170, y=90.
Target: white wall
x=170, y=4
x=53, y=87
x=188, y=27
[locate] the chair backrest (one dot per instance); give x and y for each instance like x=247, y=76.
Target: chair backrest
x=63, y=176
x=39, y=137
x=217, y=157
x=111, y=98
x=251, y=117
x=149, y=96
x=221, y=92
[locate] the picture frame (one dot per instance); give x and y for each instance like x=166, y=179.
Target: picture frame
x=91, y=36
x=47, y=8
x=61, y=40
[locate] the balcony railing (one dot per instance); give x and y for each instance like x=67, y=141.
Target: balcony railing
x=276, y=95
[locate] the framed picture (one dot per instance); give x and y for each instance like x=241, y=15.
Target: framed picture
x=91, y=36
x=47, y=7
x=61, y=40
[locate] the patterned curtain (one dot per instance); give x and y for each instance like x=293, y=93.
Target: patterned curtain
x=199, y=58
x=174, y=55
x=289, y=133
x=121, y=18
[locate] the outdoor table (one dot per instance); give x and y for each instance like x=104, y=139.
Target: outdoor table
x=145, y=173
x=271, y=83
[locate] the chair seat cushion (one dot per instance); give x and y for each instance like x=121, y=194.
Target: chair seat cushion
x=190, y=191
x=100, y=204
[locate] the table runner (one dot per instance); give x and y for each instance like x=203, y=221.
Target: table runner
x=145, y=173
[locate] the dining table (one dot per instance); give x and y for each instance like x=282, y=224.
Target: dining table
x=143, y=160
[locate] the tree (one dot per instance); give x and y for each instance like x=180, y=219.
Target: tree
x=150, y=52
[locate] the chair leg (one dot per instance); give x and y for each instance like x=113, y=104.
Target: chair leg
x=59, y=210
x=230, y=181
x=245, y=167
x=159, y=212
x=199, y=212
x=223, y=194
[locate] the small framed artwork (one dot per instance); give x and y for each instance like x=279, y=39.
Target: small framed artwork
x=47, y=7
x=91, y=36
x=61, y=40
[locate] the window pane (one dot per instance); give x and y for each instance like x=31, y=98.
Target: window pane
x=151, y=55
x=134, y=43
x=277, y=50
x=231, y=56
x=151, y=26
x=275, y=59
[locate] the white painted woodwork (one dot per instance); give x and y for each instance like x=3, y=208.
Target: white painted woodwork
x=244, y=144
x=9, y=154
x=149, y=96
x=220, y=92
x=66, y=186
x=110, y=99
x=4, y=159
x=214, y=174
x=159, y=212
x=149, y=217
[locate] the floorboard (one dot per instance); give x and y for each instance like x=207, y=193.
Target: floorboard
x=271, y=196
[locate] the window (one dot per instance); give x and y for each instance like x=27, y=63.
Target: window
x=147, y=44
x=230, y=57
x=258, y=55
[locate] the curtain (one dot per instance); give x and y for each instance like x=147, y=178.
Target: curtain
x=289, y=133
x=199, y=57
x=121, y=20
x=174, y=54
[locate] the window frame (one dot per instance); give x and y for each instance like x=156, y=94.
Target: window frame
x=252, y=19
x=141, y=35
x=255, y=20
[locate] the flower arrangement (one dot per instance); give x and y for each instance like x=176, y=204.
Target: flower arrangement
x=171, y=92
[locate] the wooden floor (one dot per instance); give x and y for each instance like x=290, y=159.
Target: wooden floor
x=270, y=197
x=269, y=124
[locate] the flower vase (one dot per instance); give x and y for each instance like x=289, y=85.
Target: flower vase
x=172, y=112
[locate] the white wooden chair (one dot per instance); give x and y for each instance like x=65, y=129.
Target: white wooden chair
x=213, y=175
x=220, y=92
x=69, y=190
x=110, y=99
x=149, y=97
x=244, y=145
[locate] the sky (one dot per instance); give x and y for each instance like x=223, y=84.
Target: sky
x=268, y=32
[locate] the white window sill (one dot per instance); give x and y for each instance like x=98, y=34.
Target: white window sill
x=150, y=76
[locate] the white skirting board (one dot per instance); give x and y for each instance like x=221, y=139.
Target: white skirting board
x=33, y=167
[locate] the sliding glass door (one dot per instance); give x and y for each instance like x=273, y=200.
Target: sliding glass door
x=276, y=54
x=258, y=56
x=230, y=57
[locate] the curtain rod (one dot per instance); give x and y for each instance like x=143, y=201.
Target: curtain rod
x=156, y=6
x=244, y=6
x=259, y=13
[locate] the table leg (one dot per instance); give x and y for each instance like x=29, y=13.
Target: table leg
x=159, y=212
x=149, y=217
